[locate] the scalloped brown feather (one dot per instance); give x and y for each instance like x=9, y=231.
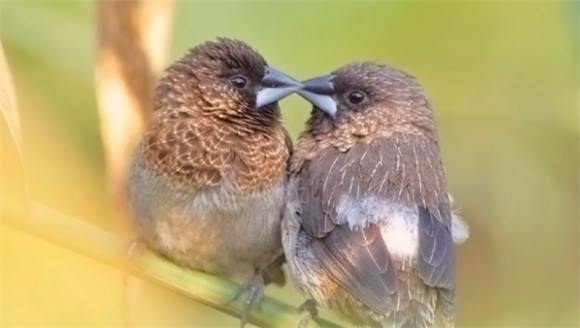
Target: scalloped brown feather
x=202, y=152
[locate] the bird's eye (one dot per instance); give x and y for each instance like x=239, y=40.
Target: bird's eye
x=238, y=82
x=356, y=97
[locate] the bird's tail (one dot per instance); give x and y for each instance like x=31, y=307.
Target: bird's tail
x=414, y=304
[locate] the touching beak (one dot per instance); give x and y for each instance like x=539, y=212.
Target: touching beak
x=320, y=92
x=275, y=86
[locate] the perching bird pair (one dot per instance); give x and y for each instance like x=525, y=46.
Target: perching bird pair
x=359, y=209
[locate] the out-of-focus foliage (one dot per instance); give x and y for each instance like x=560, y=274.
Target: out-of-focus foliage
x=8, y=104
x=132, y=39
x=502, y=76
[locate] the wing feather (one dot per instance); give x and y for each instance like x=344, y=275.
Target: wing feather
x=357, y=256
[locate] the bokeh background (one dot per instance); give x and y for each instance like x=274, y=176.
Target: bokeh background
x=503, y=78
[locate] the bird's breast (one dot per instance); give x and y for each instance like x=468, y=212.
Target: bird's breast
x=259, y=163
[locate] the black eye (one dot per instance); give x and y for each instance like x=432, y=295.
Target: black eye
x=356, y=97
x=238, y=82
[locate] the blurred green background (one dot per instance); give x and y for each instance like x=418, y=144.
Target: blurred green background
x=503, y=78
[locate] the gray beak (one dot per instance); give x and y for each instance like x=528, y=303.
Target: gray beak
x=275, y=86
x=320, y=92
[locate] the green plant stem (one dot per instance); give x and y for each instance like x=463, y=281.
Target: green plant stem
x=108, y=248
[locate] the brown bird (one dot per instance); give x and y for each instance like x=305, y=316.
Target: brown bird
x=367, y=230
x=207, y=180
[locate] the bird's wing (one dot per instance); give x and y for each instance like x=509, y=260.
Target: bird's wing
x=436, y=260
x=195, y=153
x=360, y=262
x=357, y=259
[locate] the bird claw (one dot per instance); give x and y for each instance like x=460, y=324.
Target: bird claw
x=308, y=311
x=255, y=291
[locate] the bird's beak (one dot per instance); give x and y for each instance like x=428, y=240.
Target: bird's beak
x=320, y=92
x=275, y=86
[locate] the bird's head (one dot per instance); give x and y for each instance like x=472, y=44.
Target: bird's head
x=364, y=100
x=226, y=78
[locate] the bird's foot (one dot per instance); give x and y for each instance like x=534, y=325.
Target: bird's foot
x=254, y=288
x=273, y=273
x=308, y=311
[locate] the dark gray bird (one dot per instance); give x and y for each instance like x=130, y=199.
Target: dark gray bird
x=368, y=231
x=207, y=180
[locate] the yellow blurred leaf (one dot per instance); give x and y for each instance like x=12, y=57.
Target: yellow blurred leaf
x=8, y=104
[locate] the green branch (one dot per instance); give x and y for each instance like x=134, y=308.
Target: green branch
x=110, y=249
